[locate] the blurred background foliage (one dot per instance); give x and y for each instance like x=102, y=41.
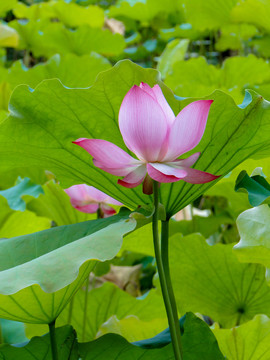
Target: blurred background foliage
x=198, y=46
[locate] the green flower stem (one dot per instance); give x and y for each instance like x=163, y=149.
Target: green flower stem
x=1, y=336
x=99, y=213
x=173, y=322
x=70, y=310
x=165, y=262
x=86, y=295
x=53, y=341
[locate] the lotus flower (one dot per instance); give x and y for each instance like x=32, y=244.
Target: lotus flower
x=152, y=132
x=88, y=199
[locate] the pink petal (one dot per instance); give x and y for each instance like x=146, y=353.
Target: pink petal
x=89, y=209
x=143, y=125
x=107, y=210
x=147, y=89
x=163, y=104
x=81, y=196
x=198, y=177
x=164, y=173
x=100, y=196
x=157, y=94
x=95, y=194
x=134, y=178
x=108, y=156
x=110, y=200
x=78, y=195
x=186, y=162
x=187, y=129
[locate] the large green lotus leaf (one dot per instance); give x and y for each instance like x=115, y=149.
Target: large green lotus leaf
x=256, y=12
x=197, y=340
x=237, y=201
x=132, y=328
x=36, y=11
x=206, y=226
x=9, y=178
x=40, y=272
x=192, y=329
x=193, y=77
x=261, y=45
x=263, y=89
x=6, y=5
x=210, y=14
x=106, y=301
x=246, y=342
x=39, y=348
x=16, y=223
x=55, y=204
x=70, y=14
x=215, y=283
x=254, y=245
x=15, y=194
x=8, y=36
x=5, y=93
x=183, y=31
x=256, y=186
x=72, y=70
x=28, y=31
x=196, y=77
x=233, y=36
x=140, y=241
x=198, y=343
x=174, y=51
x=102, y=303
x=3, y=115
x=235, y=71
x=12, y=332
x=46, y=39
x=44, y=123
x=143, y=11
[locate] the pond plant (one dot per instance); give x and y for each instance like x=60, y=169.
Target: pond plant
x=151, y=130
x=134, y=190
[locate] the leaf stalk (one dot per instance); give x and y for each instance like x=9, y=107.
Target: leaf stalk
x=53, y=341
x=162, y=260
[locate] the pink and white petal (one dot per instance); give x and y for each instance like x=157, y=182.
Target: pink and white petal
x=110, y=200
x=164, y=104
x=143, y=125
x=78, y=194
x=157, y=94
x=187, y=129
x=107, y=210
x=116, y=171
x=198, y=177
x=164, y=173
x=145, y=87
x=95, y=194
x=89, y=209
x=108, y=156
x=100, y=197
x=134, y=178
x=186, y=162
